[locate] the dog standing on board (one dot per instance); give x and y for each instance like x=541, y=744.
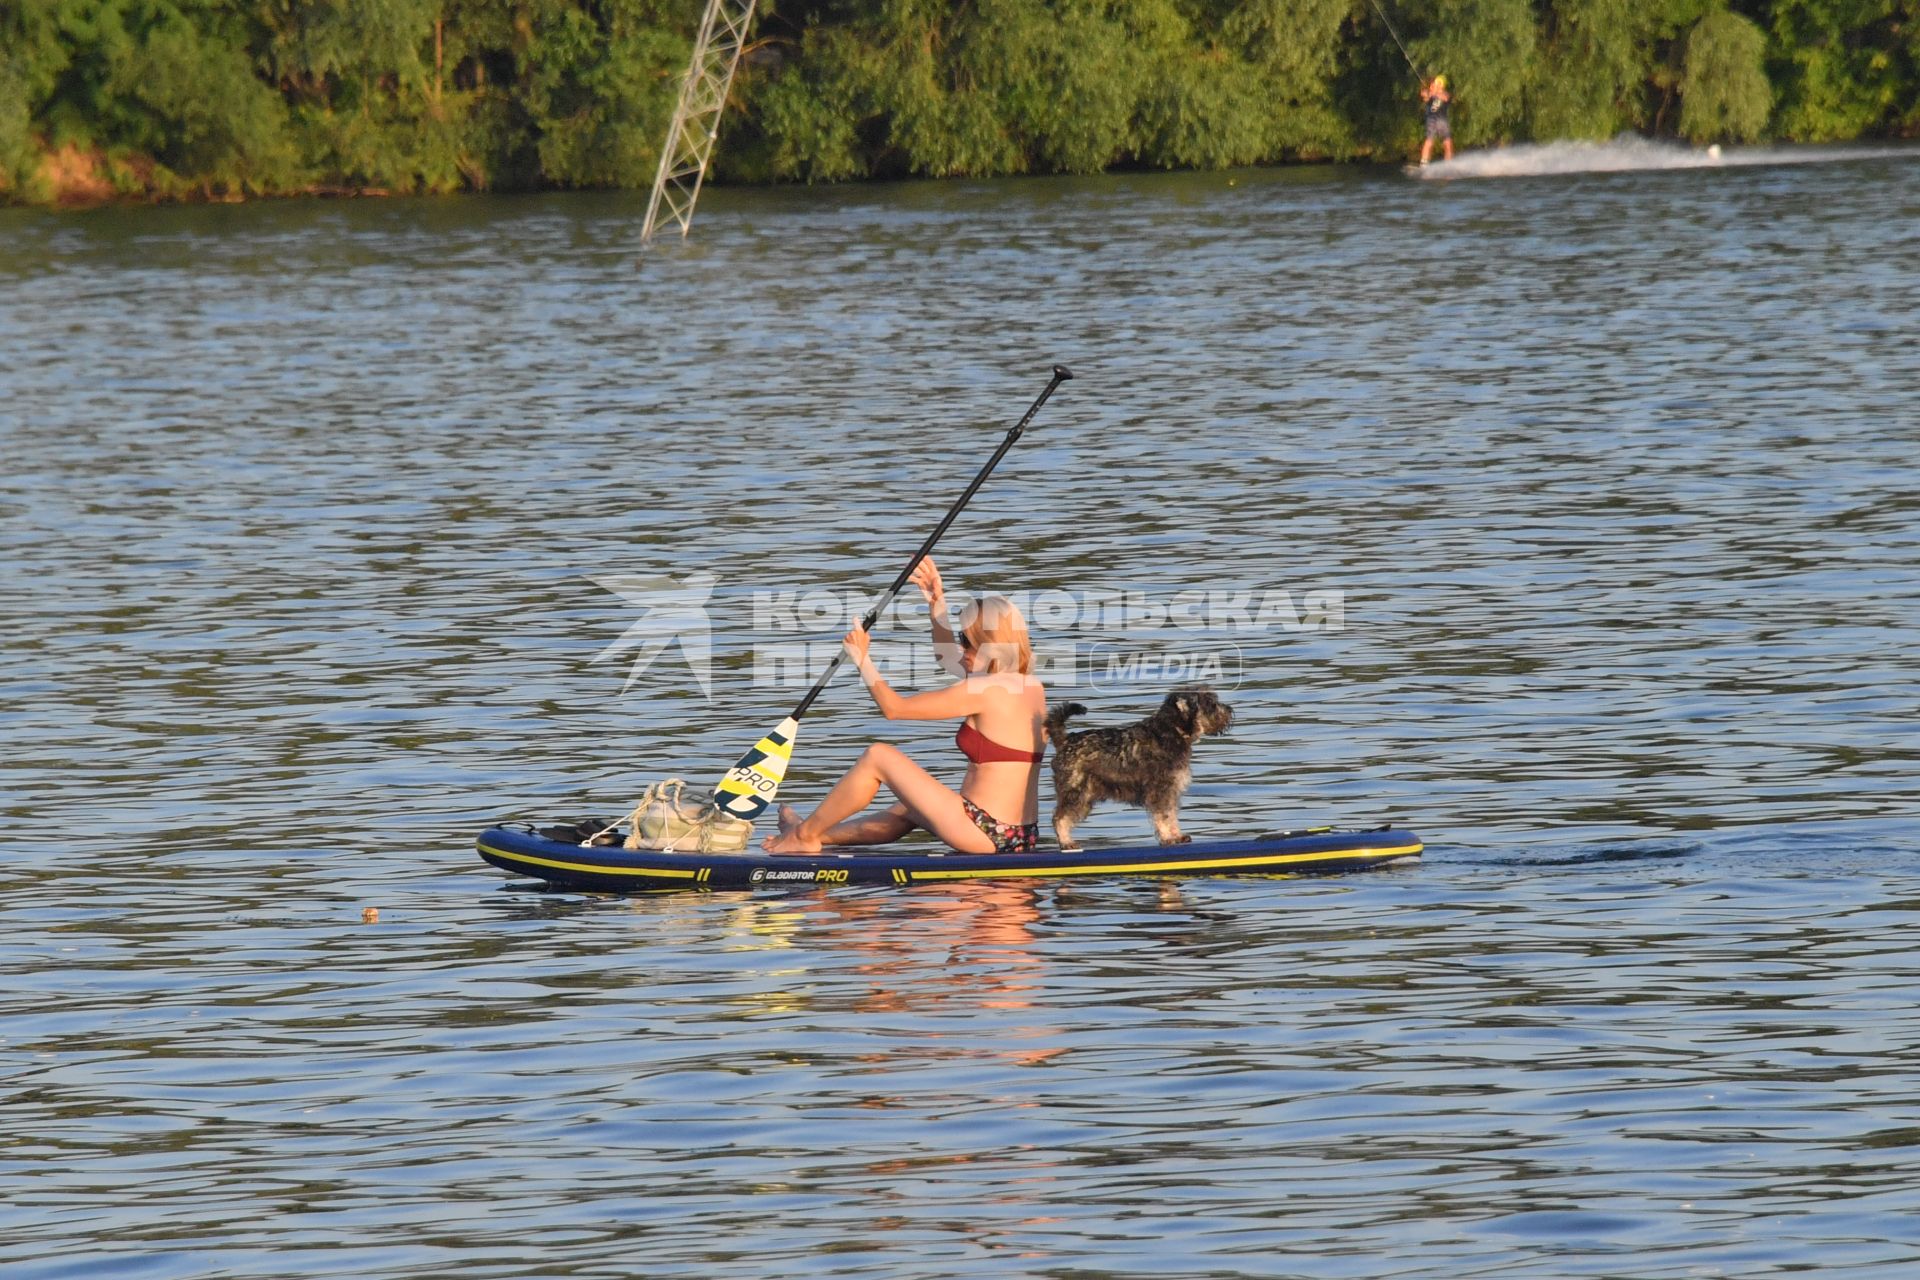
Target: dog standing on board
x=1147, y=763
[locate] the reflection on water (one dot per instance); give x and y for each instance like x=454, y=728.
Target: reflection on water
x=297, y=517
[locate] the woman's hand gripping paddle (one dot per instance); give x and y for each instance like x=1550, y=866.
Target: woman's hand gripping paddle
x=749, y=787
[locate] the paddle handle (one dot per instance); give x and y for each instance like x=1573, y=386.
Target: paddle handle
x=1060, y=374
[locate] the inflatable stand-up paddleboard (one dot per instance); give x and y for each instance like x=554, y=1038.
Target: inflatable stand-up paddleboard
x=609, y=868
x=748, y=788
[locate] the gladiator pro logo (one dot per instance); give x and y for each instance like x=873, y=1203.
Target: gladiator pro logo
x=800, y=875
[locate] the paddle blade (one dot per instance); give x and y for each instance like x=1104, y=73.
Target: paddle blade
x=750, y=785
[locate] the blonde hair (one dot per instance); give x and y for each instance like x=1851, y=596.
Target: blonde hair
x=994, y=628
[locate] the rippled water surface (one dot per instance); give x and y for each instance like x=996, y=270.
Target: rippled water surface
x=302, y=512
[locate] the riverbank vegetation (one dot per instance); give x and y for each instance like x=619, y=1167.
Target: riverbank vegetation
x=222, y=99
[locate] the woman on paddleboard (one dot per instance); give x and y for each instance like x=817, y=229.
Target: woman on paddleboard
x=1003, y=712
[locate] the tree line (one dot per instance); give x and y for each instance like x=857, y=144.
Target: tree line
x=231, y=98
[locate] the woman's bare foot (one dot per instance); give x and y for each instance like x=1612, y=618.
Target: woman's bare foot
x=789, y=842
x=789, y=818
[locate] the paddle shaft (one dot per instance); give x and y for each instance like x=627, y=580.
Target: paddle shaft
x=1060, y=374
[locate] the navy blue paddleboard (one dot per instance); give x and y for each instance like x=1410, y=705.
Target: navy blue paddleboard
x=613, y=869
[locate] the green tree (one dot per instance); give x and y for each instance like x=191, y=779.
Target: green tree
x=1844, y=67
x=1197, y=105
x=804, y=121
x=599, y=86
x=242, y=96
x=191, y=100
x=1725, y=90
x=1293, y=48
x=163, y=79
x=32, y=56
x=1594, y=60
x=375, y=90
x=1486, y=49
x=16, y=135
x=1065, y=79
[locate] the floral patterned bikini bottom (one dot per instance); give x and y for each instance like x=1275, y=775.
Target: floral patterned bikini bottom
x=1007, y=837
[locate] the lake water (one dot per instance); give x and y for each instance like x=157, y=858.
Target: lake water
x=1572, y=521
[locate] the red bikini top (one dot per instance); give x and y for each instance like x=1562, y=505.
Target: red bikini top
x=981, y=749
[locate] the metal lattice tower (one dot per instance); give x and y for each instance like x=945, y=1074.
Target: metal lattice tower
x=696, y=120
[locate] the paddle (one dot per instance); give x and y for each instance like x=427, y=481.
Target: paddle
x=749, y=787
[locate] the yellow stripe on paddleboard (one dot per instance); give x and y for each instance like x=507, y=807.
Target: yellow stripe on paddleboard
x=1189, y=864
x=594, y=867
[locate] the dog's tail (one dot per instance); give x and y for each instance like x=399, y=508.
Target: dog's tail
x=1057, y=721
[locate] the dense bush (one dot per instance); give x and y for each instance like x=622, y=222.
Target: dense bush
x=16, y=137
x=1725, y=84
x=234, y=97
x=1843, y=68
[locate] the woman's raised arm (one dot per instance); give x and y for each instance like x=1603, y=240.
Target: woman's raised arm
x=955, y=702
x=946, y=650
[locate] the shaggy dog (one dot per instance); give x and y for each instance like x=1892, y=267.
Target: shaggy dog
x=1148, y=763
